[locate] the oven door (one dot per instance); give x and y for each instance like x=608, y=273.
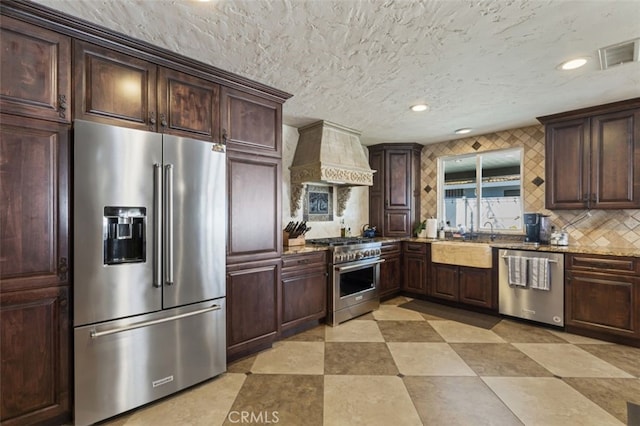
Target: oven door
x=356, y=282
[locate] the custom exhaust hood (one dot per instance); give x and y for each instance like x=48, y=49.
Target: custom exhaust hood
x=329, y=154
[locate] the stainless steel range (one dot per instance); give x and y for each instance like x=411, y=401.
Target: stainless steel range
x=355, y=273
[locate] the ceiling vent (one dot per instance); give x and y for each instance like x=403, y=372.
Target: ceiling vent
x=619, y=54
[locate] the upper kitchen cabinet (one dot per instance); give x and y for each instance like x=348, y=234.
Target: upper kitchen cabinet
x=593, y=157
x=119, y=89
x=251, y=123
x=36, y=72
x=394, y=198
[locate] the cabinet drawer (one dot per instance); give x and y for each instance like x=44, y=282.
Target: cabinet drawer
x=415, y=248
x=391, y=248
x=619, y=265
x=303, y=260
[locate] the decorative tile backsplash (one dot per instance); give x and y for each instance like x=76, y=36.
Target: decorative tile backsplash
x=605, y=228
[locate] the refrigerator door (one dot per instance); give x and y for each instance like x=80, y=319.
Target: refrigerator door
x=122, y=364
x=195, y=224
x=114, y=218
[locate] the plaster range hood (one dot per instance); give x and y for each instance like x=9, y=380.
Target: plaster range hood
x=329, y=154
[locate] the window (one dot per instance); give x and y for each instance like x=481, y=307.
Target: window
x=475, y=189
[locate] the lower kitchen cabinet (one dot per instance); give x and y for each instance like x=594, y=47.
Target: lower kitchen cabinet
x=416, y=267
x=304, y=291
x=253, y=292
x=602, y=297
x=390, y=270
x=35, y=366
x=463, y=284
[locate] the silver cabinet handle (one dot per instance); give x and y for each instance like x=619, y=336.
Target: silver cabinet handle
x=358, y=266
x=157, y=226
x=95, y=334
x=168, y=217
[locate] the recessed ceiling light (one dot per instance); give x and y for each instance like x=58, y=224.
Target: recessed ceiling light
x=573, y=64
x=419, y=108
x=463, y=131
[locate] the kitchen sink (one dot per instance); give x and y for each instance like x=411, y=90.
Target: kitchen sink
x=476, y=255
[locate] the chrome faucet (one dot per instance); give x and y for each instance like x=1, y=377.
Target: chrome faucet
x=493, y=235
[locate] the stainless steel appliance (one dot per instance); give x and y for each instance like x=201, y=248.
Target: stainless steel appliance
x=537, y=228
x=354, y=274
x=149, y=267
x=525, y=301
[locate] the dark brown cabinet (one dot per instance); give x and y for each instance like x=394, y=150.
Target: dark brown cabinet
x=304, y=290
x=119, y=89
x=593, y=157
x=251, y=123
x=35, y=72
x=463, y=284
x=416, y=259
x=394, y=198
x=390, y=270
x=34, y=265
x=602, y=297
x=252, y=128
x=253, y=292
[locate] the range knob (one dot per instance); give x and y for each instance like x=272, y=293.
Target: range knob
x=366, y=253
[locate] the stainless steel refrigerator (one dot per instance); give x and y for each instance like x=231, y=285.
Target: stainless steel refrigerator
x=149, y=267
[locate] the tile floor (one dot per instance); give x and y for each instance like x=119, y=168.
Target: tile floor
x=399, y=367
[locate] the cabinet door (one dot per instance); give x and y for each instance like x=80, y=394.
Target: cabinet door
x=475, y=286
x=252, y=306
x=376, y=192
x=251, y=123
x=254, y=186
x=114, y=88
x=188, y=106
x=390, y=275
x=567, y=164
x=304, y=296
x=615, y=159
x=34, y=203
x=36, y=71
x=34, y=372
x=397, y=223
x=398, y=177
x=603, y=302
x=415, y=274
x=445, y=281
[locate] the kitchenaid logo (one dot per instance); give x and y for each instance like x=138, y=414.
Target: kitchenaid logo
x=162, y=381
x=261, y=417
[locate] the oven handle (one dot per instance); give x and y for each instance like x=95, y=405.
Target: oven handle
x=358, y=266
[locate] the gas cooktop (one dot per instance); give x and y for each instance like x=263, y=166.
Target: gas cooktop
x=340, y=241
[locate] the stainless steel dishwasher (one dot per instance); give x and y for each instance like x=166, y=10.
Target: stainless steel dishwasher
x=523, y=300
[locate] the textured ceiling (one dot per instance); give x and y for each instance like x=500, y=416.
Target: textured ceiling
x=488, y=65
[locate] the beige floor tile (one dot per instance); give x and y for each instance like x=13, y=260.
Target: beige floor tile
x=574, y=338
x=204, y=405
x=624, y=357
x=428, y=359
x=367, y=400
x=457, y=401
x=354, y=331
x=567, y=360
x=398, y=300
x=548, y=401
x=455, y=332
x=394, y=313
x=513, y=331
x=498, y=359
x=291, y=358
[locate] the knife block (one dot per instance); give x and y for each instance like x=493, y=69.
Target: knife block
x=290, y=242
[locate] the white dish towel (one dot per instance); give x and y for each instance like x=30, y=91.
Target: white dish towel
x=517, y=270
x=539, y=273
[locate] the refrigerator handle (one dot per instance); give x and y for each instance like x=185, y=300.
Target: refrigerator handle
x=168, y=217
x=157, y=226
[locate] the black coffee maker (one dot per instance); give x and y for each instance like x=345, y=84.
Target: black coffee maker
x=537, y=227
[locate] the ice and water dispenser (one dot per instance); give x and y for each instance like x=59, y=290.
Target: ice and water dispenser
x=123, y=234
